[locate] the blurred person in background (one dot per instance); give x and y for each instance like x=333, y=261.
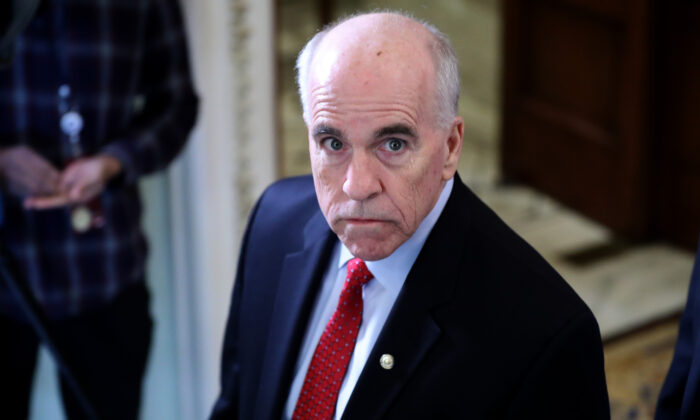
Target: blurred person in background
x=93, y=95
x=680, y=395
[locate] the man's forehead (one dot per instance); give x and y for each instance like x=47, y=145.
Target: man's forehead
x=373, y=66
x=368, y=103
x=370, y=96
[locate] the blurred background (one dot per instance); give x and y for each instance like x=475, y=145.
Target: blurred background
x=581, y=132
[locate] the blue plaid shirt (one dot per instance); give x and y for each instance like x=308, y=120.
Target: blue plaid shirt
x=129, y=76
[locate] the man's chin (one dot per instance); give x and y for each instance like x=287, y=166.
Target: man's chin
x=370, y=250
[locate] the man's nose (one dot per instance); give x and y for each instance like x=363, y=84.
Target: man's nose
x=361, y=180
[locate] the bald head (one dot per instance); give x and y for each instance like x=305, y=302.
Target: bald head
x=383, y=47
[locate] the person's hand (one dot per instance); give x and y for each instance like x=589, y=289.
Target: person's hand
x=80, y=182
x=26, y=173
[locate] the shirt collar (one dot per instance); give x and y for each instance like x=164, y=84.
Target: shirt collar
x=391, y=271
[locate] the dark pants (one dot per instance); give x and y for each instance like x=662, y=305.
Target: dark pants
x=106, y=348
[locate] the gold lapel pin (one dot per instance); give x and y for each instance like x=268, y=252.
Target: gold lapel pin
x=386, y=361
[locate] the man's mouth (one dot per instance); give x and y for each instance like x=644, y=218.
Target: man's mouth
x=363, y=221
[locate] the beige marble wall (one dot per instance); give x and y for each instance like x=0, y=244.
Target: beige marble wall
x=474, y=27
x=297, y=21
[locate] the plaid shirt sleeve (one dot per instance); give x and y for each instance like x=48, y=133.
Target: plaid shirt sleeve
x=169, y=102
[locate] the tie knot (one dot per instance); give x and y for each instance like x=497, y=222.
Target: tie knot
x=358, y=273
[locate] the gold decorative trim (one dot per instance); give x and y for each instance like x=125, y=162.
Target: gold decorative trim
x=240, y=30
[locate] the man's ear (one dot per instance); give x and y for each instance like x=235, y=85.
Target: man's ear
x=454, y=148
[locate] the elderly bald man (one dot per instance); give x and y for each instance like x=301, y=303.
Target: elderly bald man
x=381, y=286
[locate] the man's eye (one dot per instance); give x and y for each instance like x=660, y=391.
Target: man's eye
x=395, y=145
x=334, y=144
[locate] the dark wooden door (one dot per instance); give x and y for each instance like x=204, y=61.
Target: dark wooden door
x=676, y=157
x=576, y=103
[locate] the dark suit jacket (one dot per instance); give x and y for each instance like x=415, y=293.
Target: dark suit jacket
x=680, y=395
x=483, y=328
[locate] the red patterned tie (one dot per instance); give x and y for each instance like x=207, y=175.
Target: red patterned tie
x=319, y=393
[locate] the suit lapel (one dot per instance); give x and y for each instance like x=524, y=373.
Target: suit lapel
x=300, y=277
x=411, y=330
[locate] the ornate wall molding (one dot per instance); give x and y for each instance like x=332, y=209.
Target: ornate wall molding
x=240, y=30
x=252, y=53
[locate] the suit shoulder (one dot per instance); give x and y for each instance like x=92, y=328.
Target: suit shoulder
x=291, y=191
x=522, y=278
x=289, y=197
x=284, y=208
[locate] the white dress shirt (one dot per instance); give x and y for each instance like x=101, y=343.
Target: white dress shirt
x=378, y=298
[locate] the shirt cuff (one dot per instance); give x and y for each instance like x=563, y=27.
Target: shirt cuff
x=129, y=173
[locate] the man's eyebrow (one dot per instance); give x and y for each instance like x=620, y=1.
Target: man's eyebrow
x=326, y=130
x=395, y=129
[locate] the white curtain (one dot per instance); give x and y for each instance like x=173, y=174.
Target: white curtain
x=230, y=159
